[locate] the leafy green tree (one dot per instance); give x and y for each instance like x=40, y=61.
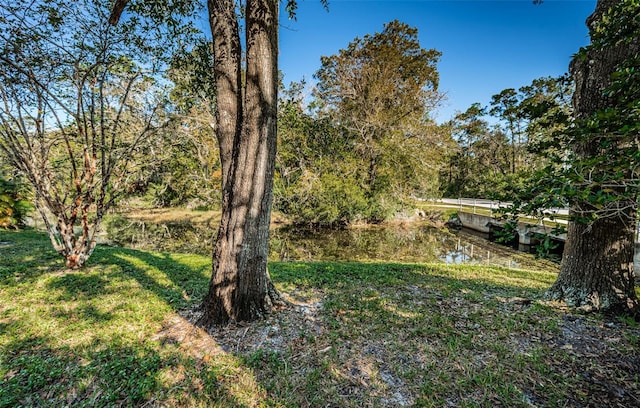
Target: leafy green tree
x=481, y=157
x=15, y=203
x=79, y=100
x=316, y=179
x=498, y=161
x=380, y=89
x=542, y=109
x=187, y=168
x=598, y=177
x=505, y=107
x=545, y=105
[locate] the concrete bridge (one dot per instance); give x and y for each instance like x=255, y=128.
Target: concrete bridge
x=527, y=234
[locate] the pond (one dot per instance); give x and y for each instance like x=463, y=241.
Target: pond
x=415, y=242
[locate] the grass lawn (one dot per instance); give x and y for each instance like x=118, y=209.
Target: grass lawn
x=119, y=333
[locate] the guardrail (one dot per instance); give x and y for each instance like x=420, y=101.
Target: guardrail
x=475, y=203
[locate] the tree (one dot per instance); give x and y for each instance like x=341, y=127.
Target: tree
x=78, y=102
x=246, y=114
x=545, y=106
x=316, y=180
x=600, y=177
x=186, y=170
x=481, y=157
x=381, y=89
x=246, y=118
x=498, y=161
x=505, y=106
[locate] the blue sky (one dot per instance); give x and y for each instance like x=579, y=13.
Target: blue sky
x=487, y=45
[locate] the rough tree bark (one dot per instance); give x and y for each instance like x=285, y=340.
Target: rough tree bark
x=240, y=288
x=597, y=265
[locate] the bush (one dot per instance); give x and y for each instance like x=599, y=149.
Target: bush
x=14, y=204
x=325, y=200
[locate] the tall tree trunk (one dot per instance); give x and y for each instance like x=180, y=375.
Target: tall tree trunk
x=228, y=76
x=240, y=288
x=597, y=265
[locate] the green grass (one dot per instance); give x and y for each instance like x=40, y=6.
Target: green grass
x=363, y=334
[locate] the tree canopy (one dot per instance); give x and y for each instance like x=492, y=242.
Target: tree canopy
x=499, y=147
x=80, y=99
x=366, y=145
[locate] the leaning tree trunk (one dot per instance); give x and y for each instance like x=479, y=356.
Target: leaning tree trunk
x=240, y=288
x=597, y=265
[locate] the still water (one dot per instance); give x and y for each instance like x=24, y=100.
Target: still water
x=413, y=242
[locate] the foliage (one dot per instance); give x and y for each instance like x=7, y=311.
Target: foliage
x=479, y=164
x=319, y=169
x=497, y=161
x=186, y=171
x=596, y=175
x=504, y=106
x=593, y=159
x=15, y=202
x=187, y=168
x=617, y=26
x=547, y=246
x=507, y=234
x=366, y=334
x=380, y=90
x=368, y=147
x=81, y=100
x=316, y=178
x=334, y=200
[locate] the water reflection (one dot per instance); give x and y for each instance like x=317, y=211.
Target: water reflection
x=420, y=243
x=413, y=243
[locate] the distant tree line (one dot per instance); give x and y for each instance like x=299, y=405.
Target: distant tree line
x=498, y=147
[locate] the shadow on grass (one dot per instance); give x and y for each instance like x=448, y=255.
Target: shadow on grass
x=179, y=280
x=117, y=375
x=335, y=275
x=25, y=256
x=86, y=312
x=80, y=286
x=361, y=299
x=82, y=338
x=386, y=327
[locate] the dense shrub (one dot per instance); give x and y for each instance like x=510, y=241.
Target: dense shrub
x=14, y=203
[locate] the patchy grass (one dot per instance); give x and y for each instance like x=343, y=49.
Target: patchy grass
x=119, y=332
